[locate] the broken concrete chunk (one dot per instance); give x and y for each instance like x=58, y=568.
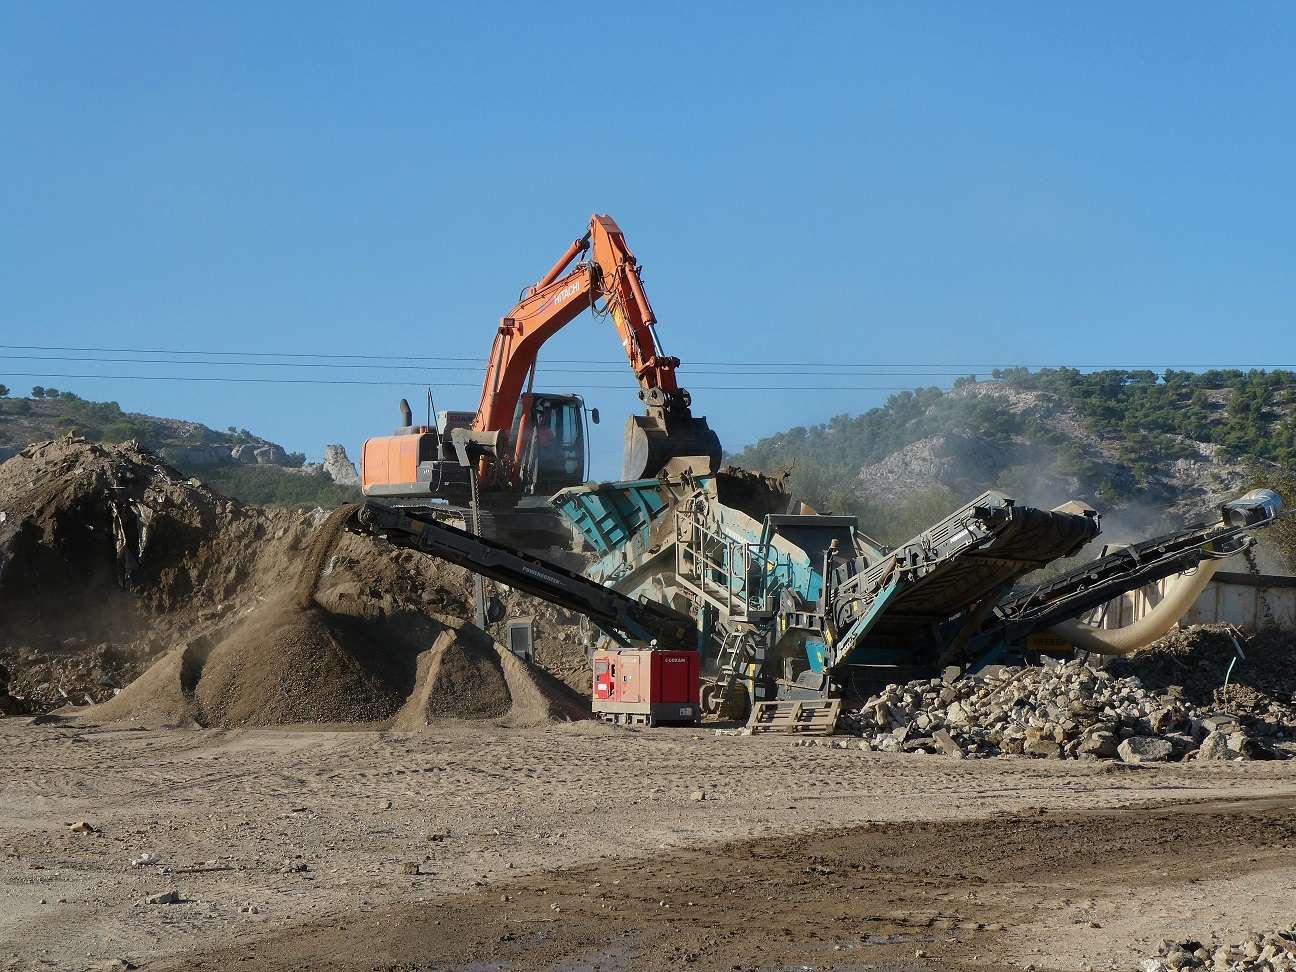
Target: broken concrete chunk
x=947, y=744
x=1145, y=749
x=1101, y=744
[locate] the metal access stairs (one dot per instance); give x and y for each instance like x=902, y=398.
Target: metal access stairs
x=733, y=663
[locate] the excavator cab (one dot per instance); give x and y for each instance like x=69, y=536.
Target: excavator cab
x=549, y=441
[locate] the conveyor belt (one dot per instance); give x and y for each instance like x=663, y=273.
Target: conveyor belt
x=611, y=610
x=977, y=551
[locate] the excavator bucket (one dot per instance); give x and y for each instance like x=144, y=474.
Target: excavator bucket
x=654, y=441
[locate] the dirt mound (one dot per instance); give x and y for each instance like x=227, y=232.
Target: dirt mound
x=538, y=696
x=286, y=664
x=108, y=557
x=113, y=564
x=163, y=695
x=86, y=524
x=465, y=675
x=291, y=660
x=456, y=680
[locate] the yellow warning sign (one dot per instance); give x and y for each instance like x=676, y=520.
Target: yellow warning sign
x=1047, y=643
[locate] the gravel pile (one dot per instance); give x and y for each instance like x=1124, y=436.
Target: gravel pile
x=1268, y=951
x=1067, y=710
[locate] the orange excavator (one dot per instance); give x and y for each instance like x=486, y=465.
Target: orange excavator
x=523, y=444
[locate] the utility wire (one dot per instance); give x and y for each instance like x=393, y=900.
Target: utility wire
x=474, y=367
x=444, y=384
x=621, y=362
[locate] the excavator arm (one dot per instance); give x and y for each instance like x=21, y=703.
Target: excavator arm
x=611, y=274
x=523, y=442
x=536, y=318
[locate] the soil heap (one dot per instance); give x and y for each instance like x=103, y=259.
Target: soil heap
x=292, y=661
x=111, y=563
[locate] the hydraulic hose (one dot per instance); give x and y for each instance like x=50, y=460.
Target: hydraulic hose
x=1181, y=593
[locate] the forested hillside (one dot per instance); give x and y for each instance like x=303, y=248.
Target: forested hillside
x=1132, y=442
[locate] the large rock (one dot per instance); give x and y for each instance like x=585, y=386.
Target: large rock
x=1248, y=747
x=340, y=468
x=1100, y=744
x=947, y=745
x=1145, y=749
x=1219, y=723
x=270, y=455
x=1215, y=746
x=1164, y=719
x=260, y=454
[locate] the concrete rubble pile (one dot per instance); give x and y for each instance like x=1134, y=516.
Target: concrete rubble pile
x=1066, y=710
x=1259, y=670
x=1262, y=952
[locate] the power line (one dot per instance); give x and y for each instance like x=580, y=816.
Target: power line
x=406, y=384
x=621, y=362
x=396, y=367
x=245, y=354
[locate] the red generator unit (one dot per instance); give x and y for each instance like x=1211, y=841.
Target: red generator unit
x=647, y=687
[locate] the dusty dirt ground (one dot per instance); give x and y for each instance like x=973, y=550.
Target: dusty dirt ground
x=577, y=846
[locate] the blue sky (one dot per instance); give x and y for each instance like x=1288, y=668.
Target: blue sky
x=940, y=185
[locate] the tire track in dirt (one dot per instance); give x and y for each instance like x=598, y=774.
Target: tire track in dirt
x=931, y=895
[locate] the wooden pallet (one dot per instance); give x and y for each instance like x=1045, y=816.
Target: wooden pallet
x=808, y=717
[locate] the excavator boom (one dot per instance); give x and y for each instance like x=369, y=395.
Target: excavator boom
x=535, y=319
x=668, y=431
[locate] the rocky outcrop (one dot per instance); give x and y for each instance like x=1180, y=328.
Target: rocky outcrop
x=340, y=468
x=260, y=454
x=336, y=465
x=967, y=466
